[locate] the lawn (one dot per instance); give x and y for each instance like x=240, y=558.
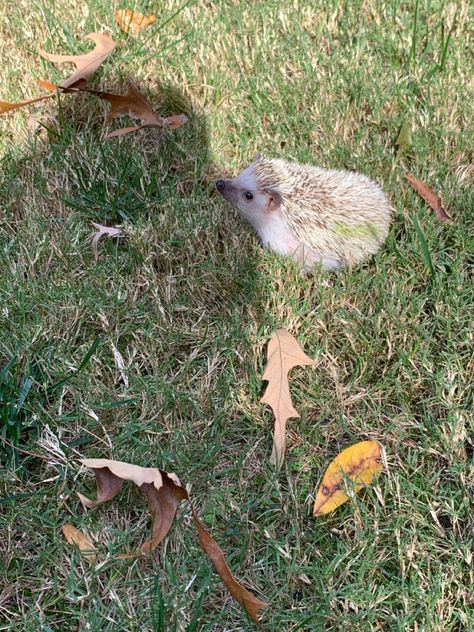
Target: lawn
x=190, y=300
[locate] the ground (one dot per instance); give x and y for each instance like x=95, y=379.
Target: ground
x=189, y=299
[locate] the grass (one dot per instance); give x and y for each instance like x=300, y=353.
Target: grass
x=190, y=299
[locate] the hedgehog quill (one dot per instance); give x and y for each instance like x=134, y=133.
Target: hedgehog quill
x=314, y=215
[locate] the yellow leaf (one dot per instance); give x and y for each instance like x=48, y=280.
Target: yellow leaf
x=359, y=464
x=133, y=21
x=283, y=354
x=79, y=539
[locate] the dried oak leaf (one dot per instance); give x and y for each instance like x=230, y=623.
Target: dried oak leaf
x=136, y=105
x=87, y=64
x=430, y=197
x=79, y=539
x=164, y=491
x=132, y=21
x=359, y=463
x=283, y=354
x=109, y=231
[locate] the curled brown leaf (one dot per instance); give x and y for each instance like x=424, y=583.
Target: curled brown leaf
x=164, y=491
x=136, y=105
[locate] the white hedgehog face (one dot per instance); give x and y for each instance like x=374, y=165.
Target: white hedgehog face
x=244, y=194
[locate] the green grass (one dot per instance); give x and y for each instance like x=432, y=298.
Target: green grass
x=190, y=299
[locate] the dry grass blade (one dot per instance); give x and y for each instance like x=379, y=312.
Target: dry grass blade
x=133, y=21
x=79, y=539
x=86, y=65
x=430, y=197
x=359, y=463
x=283, y=354
x=109, y=231
x=164, y=491
x=120, y=363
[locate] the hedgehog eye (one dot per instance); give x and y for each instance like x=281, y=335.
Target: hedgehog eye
x=248, y=195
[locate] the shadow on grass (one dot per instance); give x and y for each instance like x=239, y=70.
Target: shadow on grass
x=159, y=186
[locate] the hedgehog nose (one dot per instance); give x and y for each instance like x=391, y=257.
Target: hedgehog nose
x=220, y=185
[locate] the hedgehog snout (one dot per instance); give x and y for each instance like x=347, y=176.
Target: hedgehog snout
x=220, y=185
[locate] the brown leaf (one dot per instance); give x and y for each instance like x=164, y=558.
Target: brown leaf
x=110, y=231
x=133, y=21
x=79, y=539
x=5, y=106
x=123, y=131
x=136, y=105
x=283, y=354
x=358, y=463
x=87, y=64
x=430, y=197
x=164, y=491
x=173, y=122
x=133, y=104
x=47, y=85
x=214, y=552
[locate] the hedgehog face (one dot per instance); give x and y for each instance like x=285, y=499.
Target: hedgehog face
x=243, y=192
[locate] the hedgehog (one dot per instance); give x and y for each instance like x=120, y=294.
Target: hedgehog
x=314, y=215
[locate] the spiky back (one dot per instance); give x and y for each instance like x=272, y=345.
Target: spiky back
x=339, y=212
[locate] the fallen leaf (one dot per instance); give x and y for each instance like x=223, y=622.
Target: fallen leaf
x=132, y=21
x=79, y=539
x=122, y=131
x=87, y=64
x=283, y=354
x=430, y=197
x=133, y=104
x=403, y=142
x=249, y=602
x=358, y=463
x=136, y=105
x=173, y=122
x=109, y=231
x=164, y=491
x=47, y=85
x=5, y=106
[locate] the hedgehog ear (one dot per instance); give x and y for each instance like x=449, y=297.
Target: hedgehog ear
x=274, y=202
